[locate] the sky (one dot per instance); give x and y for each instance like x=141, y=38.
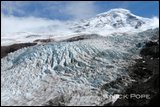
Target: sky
x=18, y=16
x=71, y=10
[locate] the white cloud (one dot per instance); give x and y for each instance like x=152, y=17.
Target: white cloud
x=69, y=9
x=12, y=24
x=155, y=22
x=81, y=9
x=75, y=9
x=34, y=22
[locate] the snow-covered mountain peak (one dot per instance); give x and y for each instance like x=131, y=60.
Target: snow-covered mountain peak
x=114, y=20
x=118, y=18
x=115, y=11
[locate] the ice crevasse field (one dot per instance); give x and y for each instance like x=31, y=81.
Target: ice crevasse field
x=76, y=73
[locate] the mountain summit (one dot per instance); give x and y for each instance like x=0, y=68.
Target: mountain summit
x=112, y=20
x=121, y=18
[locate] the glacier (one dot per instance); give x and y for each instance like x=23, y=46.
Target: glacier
x=70, y=73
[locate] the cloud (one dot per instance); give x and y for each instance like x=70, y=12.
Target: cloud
x=155, y=22
x=81, y=9
x=39, y=16
x=12, y=24
x=65, y=10
x=36, y=16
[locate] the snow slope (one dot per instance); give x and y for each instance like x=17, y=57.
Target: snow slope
x=70, y=73
x=114, y=21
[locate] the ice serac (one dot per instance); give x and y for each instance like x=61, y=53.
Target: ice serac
x=74, y=70
x=70, y=73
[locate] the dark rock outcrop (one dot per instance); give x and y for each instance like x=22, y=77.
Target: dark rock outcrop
x=7, y=49
x=43, y=40
x=81, y=37
x=146, y=74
